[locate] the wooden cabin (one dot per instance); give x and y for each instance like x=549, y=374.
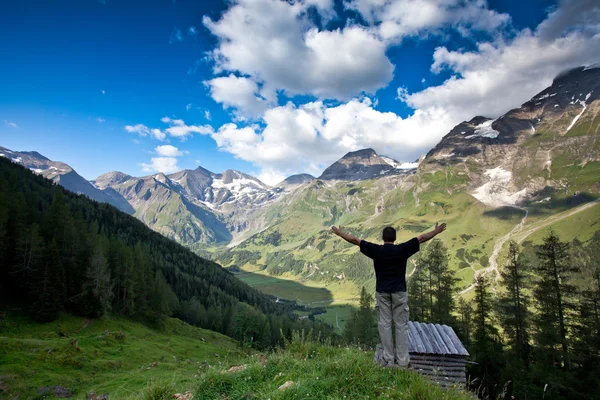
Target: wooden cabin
x=436, y=353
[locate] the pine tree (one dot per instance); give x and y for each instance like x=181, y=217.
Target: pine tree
x=512, y=304
x=465, y=319
x=553, y=294
x=418, y=293
x=442, y=283
x=487, y=349
x=48, y=285
x=98, y=286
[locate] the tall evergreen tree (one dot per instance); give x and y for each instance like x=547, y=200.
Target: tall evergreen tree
x=553, y=294
x=442, y=283
x=98, y=286
x=513, y=302
x=418, y=293
x=487, y=349
x=48, y=285
x=465, y=320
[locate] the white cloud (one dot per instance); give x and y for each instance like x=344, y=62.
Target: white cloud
x=269, y=46
x=168, y=151
x=207, y=115
x=502, y=75
x=188, y=106
x=192, y=30
x=395, y=20
x=143, y=130
x=100, y=120
x=103, y=92
x=179, y=129
x=197, y=161
x=308, y=138
x=240, y=93
x=10, y=124
x=166, y=165
x=277, y=46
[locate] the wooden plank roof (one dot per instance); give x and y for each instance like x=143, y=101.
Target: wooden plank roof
x=434, y=339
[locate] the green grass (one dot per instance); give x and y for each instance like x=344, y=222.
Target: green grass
x=112, y=355
x=317, y=372
x=129, y=360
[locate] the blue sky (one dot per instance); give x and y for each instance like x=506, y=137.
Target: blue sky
x=270, y=87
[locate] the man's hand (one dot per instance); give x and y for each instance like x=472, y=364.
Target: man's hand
x=439, y=228
x=337, y=230
x=436, y=231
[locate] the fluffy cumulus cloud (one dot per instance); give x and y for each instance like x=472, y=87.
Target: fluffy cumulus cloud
x=501, y=75
x=266, y=47
x=309, y=137
x=240, y=93
x=166, y=162
x=168, y=151
x=395, y=20
x=277, y=45
x=166, y=165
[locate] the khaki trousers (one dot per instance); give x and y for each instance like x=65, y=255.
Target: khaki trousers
x=393, y=308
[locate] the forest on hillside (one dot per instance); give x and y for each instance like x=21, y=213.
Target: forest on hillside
x=534, y=333
x=62, y=252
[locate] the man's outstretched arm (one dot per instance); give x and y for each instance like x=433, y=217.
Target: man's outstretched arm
x=429, y=235
x=346, y=236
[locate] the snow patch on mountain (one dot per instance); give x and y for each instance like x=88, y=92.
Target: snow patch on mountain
x=584, y=105
x=485, y=130
x=399, y=165
x=592, y=66
x=495, y=192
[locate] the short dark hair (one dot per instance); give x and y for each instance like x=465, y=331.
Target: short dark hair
x=389, y=234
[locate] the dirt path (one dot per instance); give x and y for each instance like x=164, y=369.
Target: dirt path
x=565, y=214
x=495, y=253
x=336, y=320
x=520, y=236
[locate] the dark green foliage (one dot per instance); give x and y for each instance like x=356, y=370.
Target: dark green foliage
x=513, y=303
x=361, y=327
x=432, y=287
x=486, y=348
x=553, y=293
x=61, y=251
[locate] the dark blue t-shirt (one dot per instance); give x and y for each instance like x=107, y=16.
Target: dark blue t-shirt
x=389, y=261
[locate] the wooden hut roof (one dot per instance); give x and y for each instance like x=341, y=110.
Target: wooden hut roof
x=434, y=339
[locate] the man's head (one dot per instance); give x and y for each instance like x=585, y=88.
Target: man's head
x=389, y=234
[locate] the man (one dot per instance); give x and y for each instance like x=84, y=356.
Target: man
x=389, y=261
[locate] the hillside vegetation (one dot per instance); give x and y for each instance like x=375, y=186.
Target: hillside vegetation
x=60, y=251
x=111, y=355
x=129, y=360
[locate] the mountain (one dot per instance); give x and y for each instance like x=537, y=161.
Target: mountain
x=66, y=176
x=549, y=144
x=362, y=165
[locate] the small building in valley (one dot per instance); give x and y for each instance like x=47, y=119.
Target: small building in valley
x=436, y=353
